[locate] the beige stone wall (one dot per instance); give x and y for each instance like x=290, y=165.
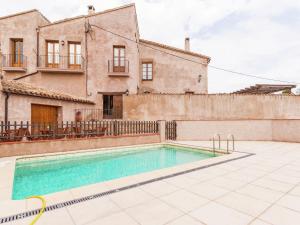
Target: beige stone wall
x=243, y=130
x=172, y=74
x=20, y=107
x=21, y=26
x=55, y=146
x=250, y=130
x=211, y=107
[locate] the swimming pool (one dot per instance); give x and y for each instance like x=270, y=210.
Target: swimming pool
x=49, y=174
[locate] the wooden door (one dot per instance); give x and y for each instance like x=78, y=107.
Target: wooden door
x=118, y=106
x=43, y=114
x=119, y=59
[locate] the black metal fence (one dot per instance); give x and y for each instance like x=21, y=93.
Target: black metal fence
x=18, y=131
x=171, y=130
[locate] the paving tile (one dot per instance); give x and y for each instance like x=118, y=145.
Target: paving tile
x=185, y=220
x=290, y=201
x=208, y=191
x=131, y=197
x=295, y=191
x=60, y=216
x=90, y=210
x=184, y=200
x=159, y=188
x=115, y=219
x=216, y=214
x=153, y=212
x=182, y=181
x=243, y=203
x=260, y=193
x=259, y=222
x=227, y=183
x=272, y=184
x=277, y=215
x=9, y=207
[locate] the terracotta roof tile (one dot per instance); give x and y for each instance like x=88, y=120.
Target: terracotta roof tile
x=21, y=88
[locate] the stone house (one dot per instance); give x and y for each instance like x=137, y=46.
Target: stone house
x=87, y=63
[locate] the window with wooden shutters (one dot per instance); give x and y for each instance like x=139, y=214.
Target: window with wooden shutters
x=17, y=57
x=119, y=59
x=147, y=70
x=52, y=54
x=74, y=55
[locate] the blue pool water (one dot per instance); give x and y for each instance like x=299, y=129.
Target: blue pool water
x=44, y=175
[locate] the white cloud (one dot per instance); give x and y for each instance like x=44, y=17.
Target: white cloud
x=253, y=36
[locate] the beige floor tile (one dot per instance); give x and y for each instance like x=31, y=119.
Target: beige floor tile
x=216, y=214
x=208, y=191
x=159, y=188
x=184, y=200
x=277, y=215
x=272, y=184
x=295, y=191
x=290, y=201
x=244, y=204
x=260, y=193
x=58, y=217
x=9, y=207
x=153, y=212
x=91, y=210
x=131, y=197
x=185, y=220
x=259, y=222
x=227, y=183
x=115, y=219
x=182, y=181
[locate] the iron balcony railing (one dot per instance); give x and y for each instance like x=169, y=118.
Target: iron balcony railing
x=118, y=66
x=18, y=131
x=14, y=60
x=55, y=61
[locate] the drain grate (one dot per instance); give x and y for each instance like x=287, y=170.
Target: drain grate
x=102, y=194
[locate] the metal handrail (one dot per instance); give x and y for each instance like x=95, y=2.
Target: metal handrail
x=233, y=145
x=219, y=138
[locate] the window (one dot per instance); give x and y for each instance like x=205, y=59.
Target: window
x=52, y=54
x=119, y=59
x=147, y=70
x=17, y=57
x=74, y=55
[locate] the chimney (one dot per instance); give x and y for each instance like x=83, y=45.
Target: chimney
x=91, y=9
x=187, y=44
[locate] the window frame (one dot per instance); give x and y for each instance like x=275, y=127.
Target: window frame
x=54, y=63
x=119, y=67
x=147, y=70
x=77, y=62
x=17, y=60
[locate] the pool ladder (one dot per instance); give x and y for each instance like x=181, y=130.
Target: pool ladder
x=214, y=145
x=229, y=137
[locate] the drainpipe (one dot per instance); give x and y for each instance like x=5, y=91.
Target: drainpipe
x=37, y=46
x=6, y=109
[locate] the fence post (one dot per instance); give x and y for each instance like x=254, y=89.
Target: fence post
x=162, y=130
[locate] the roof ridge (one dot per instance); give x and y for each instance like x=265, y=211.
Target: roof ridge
x=19, y=13
x=87, y=16
x=175, y=49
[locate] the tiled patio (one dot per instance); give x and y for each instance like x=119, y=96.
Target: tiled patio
x=259, y=190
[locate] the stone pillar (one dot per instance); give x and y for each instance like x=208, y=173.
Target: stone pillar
x=162, y=130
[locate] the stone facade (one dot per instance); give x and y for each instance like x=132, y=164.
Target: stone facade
x=97, y=34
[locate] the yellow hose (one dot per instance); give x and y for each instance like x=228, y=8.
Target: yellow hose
x=42, y=210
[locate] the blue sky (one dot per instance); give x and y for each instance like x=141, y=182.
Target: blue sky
x=260, y=37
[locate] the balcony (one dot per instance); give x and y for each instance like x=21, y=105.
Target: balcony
x=14, y=63
x=61, y=64
x=118, y=68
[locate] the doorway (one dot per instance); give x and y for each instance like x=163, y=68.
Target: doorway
x=112, y=106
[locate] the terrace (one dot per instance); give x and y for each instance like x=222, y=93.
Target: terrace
x=258, y=184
